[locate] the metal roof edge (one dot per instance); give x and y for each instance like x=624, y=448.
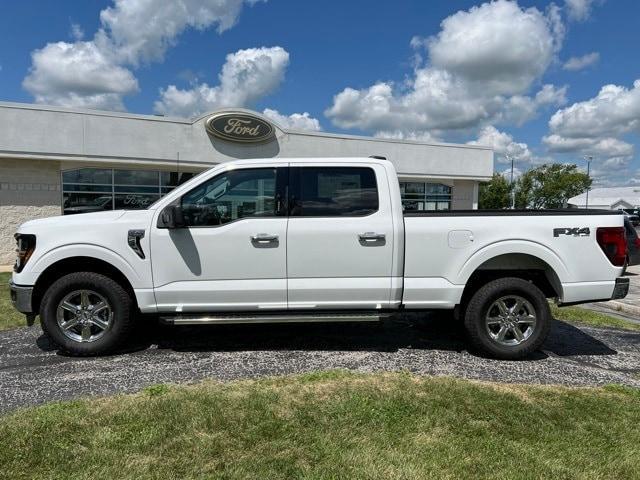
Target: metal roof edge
x=185, y=121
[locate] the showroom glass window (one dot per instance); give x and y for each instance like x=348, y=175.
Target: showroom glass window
x=95, y=189
x=417, y=196
x=333, y=191
x=231, y=196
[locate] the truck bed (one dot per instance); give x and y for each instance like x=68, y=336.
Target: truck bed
x=444, y=248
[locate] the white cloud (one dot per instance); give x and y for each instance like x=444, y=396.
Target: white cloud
x=503, y=145
x=578, y=63
x=483, y=64
x=506, y=173
x=597, y=127
x=602, y=147
x=615, y=110
x=498, y=45
x=78, y=75
x=246, y=76
x=76, y=32
x=142, y=30
x=519, y=109
x=580, y=10
x=611, y=172
x=295, y=121
x=616, y=162
x=551, y=95
x=83, y=73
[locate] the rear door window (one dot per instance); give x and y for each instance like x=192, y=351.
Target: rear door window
x=333, y=191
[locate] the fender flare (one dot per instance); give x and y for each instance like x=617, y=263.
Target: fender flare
x=89, y=250
x=504, y=247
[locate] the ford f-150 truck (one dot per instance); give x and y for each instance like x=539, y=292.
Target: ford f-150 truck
x=297, y=240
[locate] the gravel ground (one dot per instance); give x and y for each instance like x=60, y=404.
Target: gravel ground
x=31, y=372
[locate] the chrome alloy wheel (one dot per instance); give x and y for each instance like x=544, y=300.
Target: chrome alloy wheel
x=510, y=320
x=84, y=316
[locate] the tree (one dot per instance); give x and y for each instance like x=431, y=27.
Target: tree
x=550, y=186
x=495, y=193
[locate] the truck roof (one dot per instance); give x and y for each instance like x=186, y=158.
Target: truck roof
x=369, y=160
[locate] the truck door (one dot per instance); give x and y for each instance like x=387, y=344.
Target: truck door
x=231, y=254
x=340, y=237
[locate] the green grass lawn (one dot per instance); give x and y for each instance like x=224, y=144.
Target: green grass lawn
x=331, y=425
x=589, y=317
x=9, y=317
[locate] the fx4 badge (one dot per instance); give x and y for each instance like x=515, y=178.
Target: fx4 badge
x=575, y=231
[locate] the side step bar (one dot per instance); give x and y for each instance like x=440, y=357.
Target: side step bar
x=211, y=319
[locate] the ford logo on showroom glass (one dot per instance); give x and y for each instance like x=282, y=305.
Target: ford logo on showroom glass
x=239, y=127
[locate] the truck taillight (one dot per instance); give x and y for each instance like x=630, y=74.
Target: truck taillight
x=613, y=241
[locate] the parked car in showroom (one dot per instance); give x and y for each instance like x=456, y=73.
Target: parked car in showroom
x=633, y=243
x=98, y=205
x=307, y=240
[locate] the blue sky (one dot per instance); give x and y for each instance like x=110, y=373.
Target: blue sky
x=495, y=73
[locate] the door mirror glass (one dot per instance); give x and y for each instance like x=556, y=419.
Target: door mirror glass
x=171, y=217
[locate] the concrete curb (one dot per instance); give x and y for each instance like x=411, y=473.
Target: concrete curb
x=621, y=307
x=6, y=268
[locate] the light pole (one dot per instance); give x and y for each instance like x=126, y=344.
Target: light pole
x=513, y=193
x=588, y=158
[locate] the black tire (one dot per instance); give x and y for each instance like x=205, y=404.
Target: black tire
x=478, y=308
x=115, y=295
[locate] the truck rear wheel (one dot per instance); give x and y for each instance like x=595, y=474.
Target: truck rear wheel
x=86, y=313
x=508, y=318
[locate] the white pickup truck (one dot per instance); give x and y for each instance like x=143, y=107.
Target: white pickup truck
x=307, y=240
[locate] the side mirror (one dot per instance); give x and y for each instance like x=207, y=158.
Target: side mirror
x=171, y=217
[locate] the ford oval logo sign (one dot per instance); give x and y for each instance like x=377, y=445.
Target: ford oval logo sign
x=239, y=127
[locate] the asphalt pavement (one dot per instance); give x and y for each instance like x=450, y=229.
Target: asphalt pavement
x=31, y=372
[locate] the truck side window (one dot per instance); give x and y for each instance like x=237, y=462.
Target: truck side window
x=231, y=196
x=333, y=191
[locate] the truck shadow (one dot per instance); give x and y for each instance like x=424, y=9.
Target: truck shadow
x=418, y=333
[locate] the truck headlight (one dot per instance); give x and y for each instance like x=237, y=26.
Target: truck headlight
x=26, y=244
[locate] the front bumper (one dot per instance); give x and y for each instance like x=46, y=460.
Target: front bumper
x=621, y=288
x=21, y=297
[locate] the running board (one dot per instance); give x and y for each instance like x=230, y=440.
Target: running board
x=209, y=319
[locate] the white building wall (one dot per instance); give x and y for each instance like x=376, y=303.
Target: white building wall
x=28, y=189
x=464, y=195
x=72, y=135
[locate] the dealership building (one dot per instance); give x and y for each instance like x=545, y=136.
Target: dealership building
x=56, y=160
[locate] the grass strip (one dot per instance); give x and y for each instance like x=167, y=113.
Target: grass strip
x=331, y=425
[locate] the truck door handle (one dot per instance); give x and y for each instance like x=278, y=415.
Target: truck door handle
x=265, y=240
x=372, y=238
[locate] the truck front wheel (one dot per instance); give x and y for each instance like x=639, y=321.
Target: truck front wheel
x=86, y=313
x=508, y=318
